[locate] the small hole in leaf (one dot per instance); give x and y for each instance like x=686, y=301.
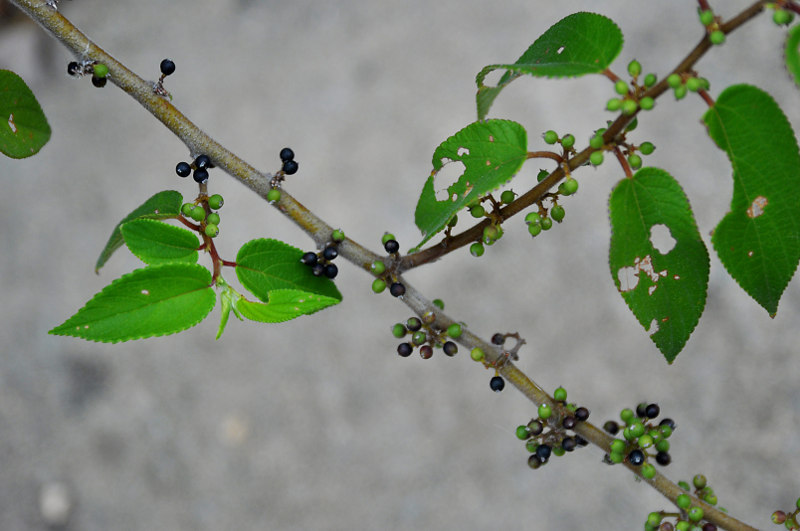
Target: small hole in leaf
x=462, y=151
x=450, y=173
x=145, y=292
x=757, y=207
x=661, y=238
x=653, y=328
x=561, y=49
x=11, y=123
x=628, y=278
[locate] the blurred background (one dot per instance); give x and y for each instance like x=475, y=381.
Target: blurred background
x=317, y=423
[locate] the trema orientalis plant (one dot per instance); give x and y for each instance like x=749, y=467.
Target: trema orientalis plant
x=659, y=261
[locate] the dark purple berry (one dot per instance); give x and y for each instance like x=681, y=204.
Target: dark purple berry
x=391, y=246
x=611, y=427
x=203, y=161
x=183, y=169
x=99, y=82
x=641, y=410
x=543, y=452
x=397, y=289
x=569, y=444
x=497, y=383
x=287, y=154
x=708, y=526
x=663, y=458
x=636, y=457
x=330, y=252
x=405, y=349
x=652, y=411
x=167, y=67
x=581, y=441
x=568, y=422
x=200, y=175
x=582, y=414
x=535, y=427
x=309, y=258
x=331, y=271
x=498, y=339
x=667, y=422
x=290, y=167
x=450, y=348
x=426, y=351
x=73, y=68
x=318, y=269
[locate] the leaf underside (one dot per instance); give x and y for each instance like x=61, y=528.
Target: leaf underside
x=23, y=126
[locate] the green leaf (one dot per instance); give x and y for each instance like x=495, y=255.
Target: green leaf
x=228, y=299
x=153, y=301
x=582, y=43
x=488, y=154
x=792, y=53
x=658, y=260
x=758, y=241
x=155, y=242
x=23, y=126
x=166, y=204
x=283, y=305
x=265, y=266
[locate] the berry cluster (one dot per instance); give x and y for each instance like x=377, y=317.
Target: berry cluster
x=711, y=23
x=543, y=437
x=289, y=168
x=631, y=97
x=200, y=165
x=690, y=516
x=201, y=213
x=289, y=164
x=378, y=268
x=641, y=438
x=790, y=520
x=321, y=263
x=497, y=383
x=425, y=336
x=98, y=71
x=167, y=68
x=682, y=84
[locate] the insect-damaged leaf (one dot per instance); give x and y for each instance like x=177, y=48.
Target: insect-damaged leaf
x=662, y=277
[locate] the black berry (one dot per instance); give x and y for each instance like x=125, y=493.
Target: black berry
x=200, y=175
x=667, y=422
x=652, y=411
x=405, y=349
x=391, y=246
x=203, y=161
x=663, y=458
x=413, y=324
x=497, y=383
x=330, y=252
x=543, y=452
x=99, y=82
x=611, y=427
x=581, y=441
x=569, y=443
x=73, y=68
x=331, y=271
x=397, y=289
x=450, y=348
x=535, y=427
x=641, y=410
x=426, y=351
x=568, y=422
x=287, y=154
x=318, y=269
x=636, y=457
x=290, y=167
x=183, y=169
x=309, y=258
x=498, y=339
x=581, y=414
x=167, y=67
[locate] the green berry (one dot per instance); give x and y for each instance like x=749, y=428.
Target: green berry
x=614, y=104
x=596, y=142
x=647, y=103
x=215, y=202
x=568, y=141
x=273, y=195
x=212, y=231
x=186, y=208
x=646, y=148
x=492, y=233
x=674, y=80
x=477, y=354
x=781, y=17
x=454, y=330
x=695, y=514
x=662, y=446
x=693, y=84
x=706, y=17
x=377, y=267
x=542, y=175
x=699, y=481
x=477, y=249
x=621, y=88
x=618, y=446
x=653, y=519
x=682, y=525
x=596, y=158
x=399, y=330
x=386, y=237
x=682, y=484
x=635, y=161
x=378, y=285
x=337, y=235
x=560, y=394
x=533, y=217
x=439, y=303
x=477, y=211
x=534, y=229
x=197, y=213
x=507, y=196
x=100, y=70
x=797, y=503
x=710, y=498
x=637, y=429
x=419, y=337
x=545, y=411
x=650, y=80
x=523, y=433
x=550, y=137
x=716, y=37
x=629, y=107
x=546, y=224
x=557, y=213
x=626, y=415
x=213, y=219
x=568, y=187
x=680, y=92
x=453, y=221
x=648, y=471
x=616, y=457
x=558, y=451
x=634, y=68
x=683, y=501
x=645, y=441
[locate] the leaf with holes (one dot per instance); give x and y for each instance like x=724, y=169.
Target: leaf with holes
x=166, y=204
x=758, y=241
x=792, y=53
x=23, y=126
x=488, y=154
x=155, y=242
x=658, y=260
x=153, y=301
x=582, y=43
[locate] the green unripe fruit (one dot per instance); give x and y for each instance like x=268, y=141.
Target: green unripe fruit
x=683, y=501
x=491, y=233
x=621, y=88
x=560, y=394
x=706, y=17
x=398, y=330
x=647, y=103
x=212, y=231
x=100, y=70
x=186, y=208
x=626, y=415
x=648, y=471
x=634, y=68
x=534, y=229
x=568, y=187
x=662, y=446
x=215, y=202
x=439, y=303
x=596, y=158
x=653, y=519
x=797, y=503
x=558, y=451
x=545, y=411
x=596, y=142
x=542, y=175
x=550, y=137
x=674, y=80
x=637, y=429
x=680, y=92
x=477, y=211
x=614, y=104
x=197, y=213
x=781, y=17
x=618, y=446
x=646, y=148
x=507, y=196
x=632, y=125
x=477, y=249
x=717, y=38
x=454, y=330
x=213, y=219
x=419, y=338
x=377, y=267
x=695, y=514
x=337, y=236
x=635, y=161
x=650, y=80
x=273, y=195
x=523, y=433
x=557, y=213
x=710, y=498
x=693, y=84
x=477, y=354
x=386, y=237
x=616, y=458
x=629, y=107
x=453, y=221
x=645, y=441
x=682, y=484
x=699, y=481
x=378, y=285
x=568, y=141
x=546, y=224
x=683, y=525
x=533, y=217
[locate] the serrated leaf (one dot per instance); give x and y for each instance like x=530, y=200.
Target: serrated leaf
x=266, y=265
x=23, y=126
x=758, y=241
x=283, y=305
x=153, y=301
x=582, y=43
x=490, y=152
x=792, y=53
x=166, y=204
x=665, y=289
x=155, y=242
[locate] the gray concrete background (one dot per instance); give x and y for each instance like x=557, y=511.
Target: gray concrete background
x=317, y=424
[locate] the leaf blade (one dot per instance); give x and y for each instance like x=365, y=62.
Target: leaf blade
x=284, y=305
x=155, y=242
x=792, y=53
x=23, y=126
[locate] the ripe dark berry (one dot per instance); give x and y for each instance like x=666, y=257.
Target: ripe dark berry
x=203, y=161
x=397, y=289
x=652, y=411
x=318, y=269
x=581, y=414
x=99, y=82
x=543, y=452
x=426, y=351
x=287, y=154
x=708, y=526
x=167, y=67
x=200, y=175
x=290, y=167
x=667, y=422
x=498, y=339
x=331, y=271
x=450, y=348
x=183, y=169
x=611, y=427
x=636, y=457
x=413, y=324
x=581, y=441
x=73, y=68
x=535, y=427
x=309, y=258
x=391, y=246
x=497, y=383
x=568, y=422
x=663, y=458
x=405, y=349
x=569, y=444
x=330, y=252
